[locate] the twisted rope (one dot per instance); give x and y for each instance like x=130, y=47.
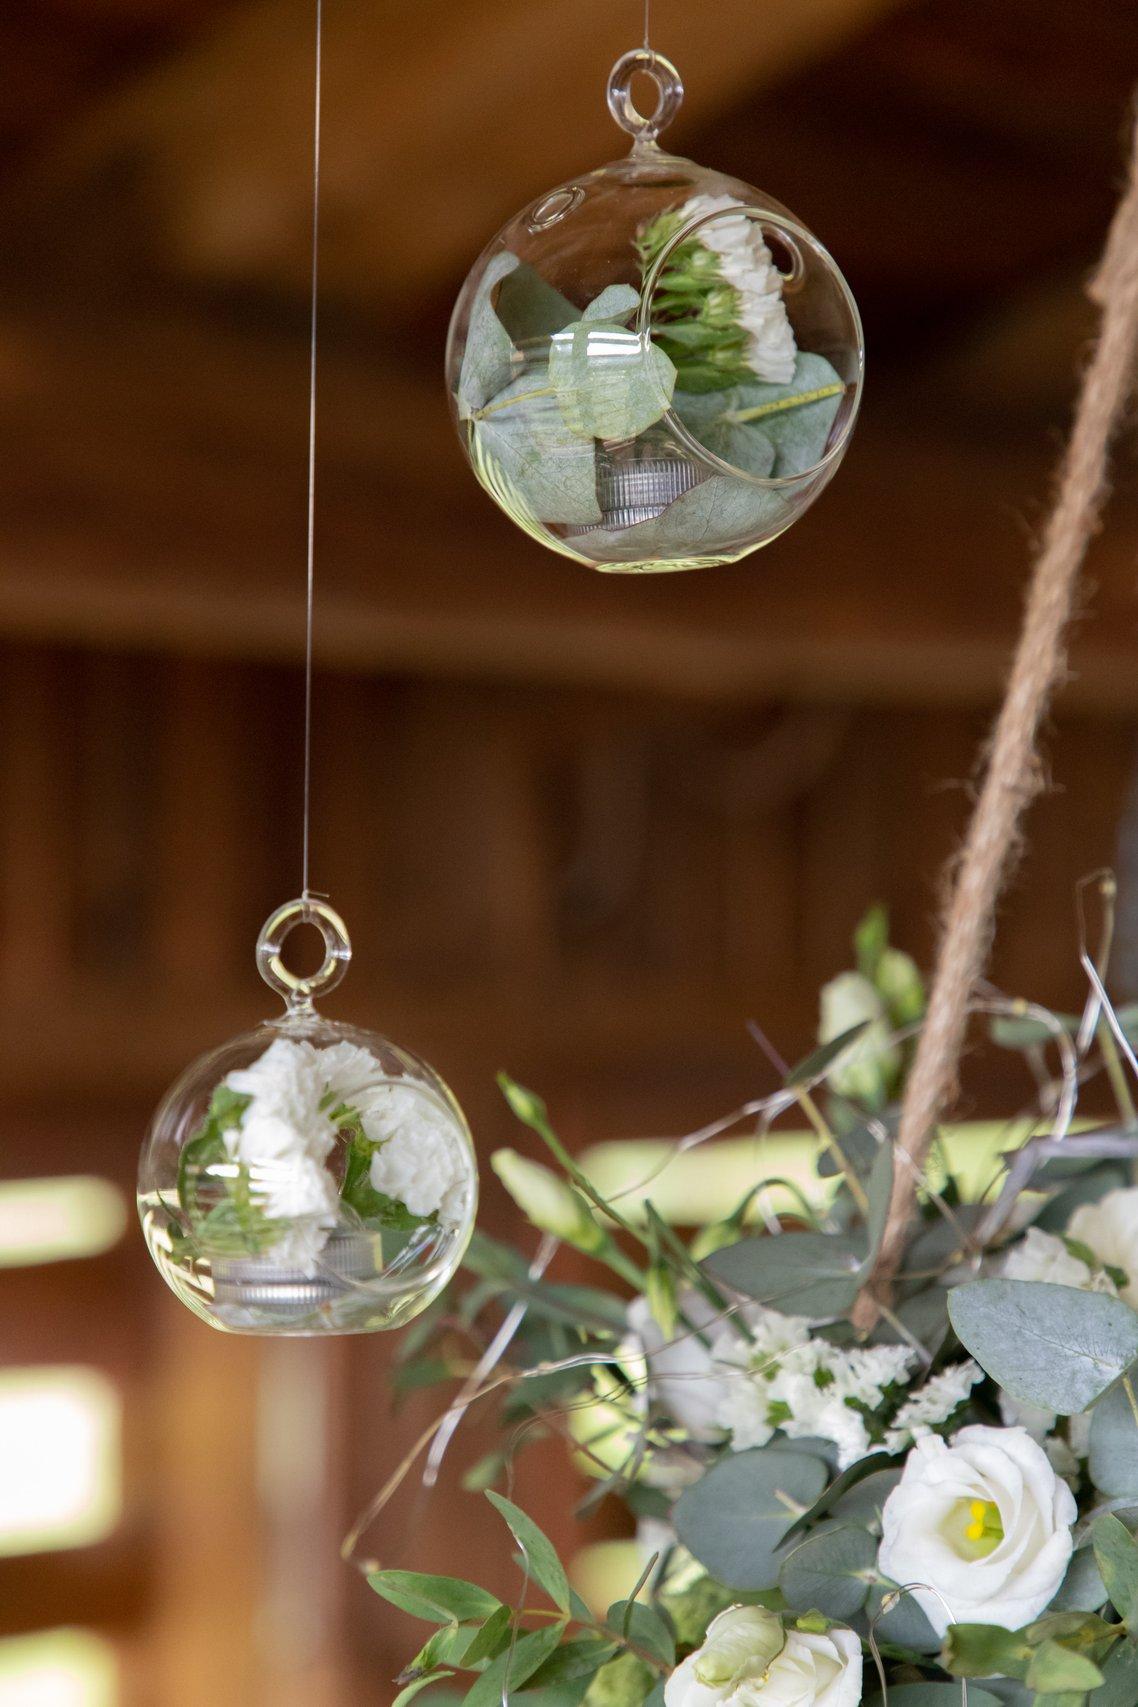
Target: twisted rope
x=1013, y=775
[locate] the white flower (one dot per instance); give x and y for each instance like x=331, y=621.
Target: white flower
x=985, y=1522
x=867, y=1069
x=421, y=1159
x=284, y=1138
x=746, y=264
x=932, y=1404
x=685, y=1376
x=1042, y=1256
x=1110, y=1229
x=801, y=1384
x=747, y=1660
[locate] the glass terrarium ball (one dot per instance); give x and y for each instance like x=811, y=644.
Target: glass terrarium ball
x=654, y=366
x=305, y=1178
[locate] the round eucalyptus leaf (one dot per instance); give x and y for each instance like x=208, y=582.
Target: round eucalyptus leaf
x=733, y=1519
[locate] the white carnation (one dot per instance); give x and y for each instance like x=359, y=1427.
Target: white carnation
x=1110, y=1229
x=1042, y=1256
x=284, y=1138
x=746, y=264
x=932, y=1404
x=420, y=1159
x=985, y=1522
x=686, y=1376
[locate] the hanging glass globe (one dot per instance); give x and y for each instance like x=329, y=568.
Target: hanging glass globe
x=654, y=366
x=307, y=1177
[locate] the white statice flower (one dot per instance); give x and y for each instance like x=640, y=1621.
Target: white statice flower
x=1109, y=1228
x=868, y=1068
x=985, y=1522
x=284, y=1138
x=421, y=1159
x=932, y=1404
x=747, y=265
x=789, y=1380
x=747, y=1659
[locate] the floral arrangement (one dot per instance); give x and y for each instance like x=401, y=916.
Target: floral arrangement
x=935, y=1505
x=306, y=1139
x=553, y=397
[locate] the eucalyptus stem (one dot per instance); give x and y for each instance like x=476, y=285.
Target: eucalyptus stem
x=508, y=402
x=822, y=1127
x=780, y=404
x=1116, y=1073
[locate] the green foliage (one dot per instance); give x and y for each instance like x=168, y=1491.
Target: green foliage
x=831, y=1570
x=812, y=1274
x=373, y=1207
x=934, y=1695
x=488, y=360
x=439, y=1600
x=1116, y=1554
x=624, y=1682
x=609, y=384
x=514, y=1666
x=538, y=1552
x=642, y=1628
x=735, y=1517
x=1113, y=1461
x=1052, y=1346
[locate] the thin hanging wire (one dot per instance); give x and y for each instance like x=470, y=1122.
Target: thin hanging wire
x=311, y=574
x=647, y=12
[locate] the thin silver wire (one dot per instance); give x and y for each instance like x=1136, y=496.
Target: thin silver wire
x=310, y=586
x=647, y=12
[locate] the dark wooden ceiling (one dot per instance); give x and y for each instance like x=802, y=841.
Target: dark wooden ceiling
x=959, y=158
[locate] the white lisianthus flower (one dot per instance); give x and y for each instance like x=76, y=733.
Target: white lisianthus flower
x=748, y=1660
x=549, y=1201
x=686, y=1375
x=1043, y=1256
x=746, y=264
x=932, y=1404
x=1109, y=1228
x=985, y=1522
x=867, y=1070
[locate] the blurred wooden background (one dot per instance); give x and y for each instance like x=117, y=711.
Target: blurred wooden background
x=581, y=827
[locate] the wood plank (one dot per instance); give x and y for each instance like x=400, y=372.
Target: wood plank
x=220, y=133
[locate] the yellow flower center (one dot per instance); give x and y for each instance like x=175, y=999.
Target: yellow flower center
x=975, y=1528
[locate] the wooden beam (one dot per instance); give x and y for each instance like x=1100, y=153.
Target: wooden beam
x=443, y=119
x=151, y=497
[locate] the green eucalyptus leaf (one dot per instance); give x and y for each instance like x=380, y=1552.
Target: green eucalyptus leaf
x=580, y=1656
x=624, y=1682
x=642, y=1626
x=523, y=433
x=539, y=1552
x=488, y=359
x=514, y=1666
x=813, y=1274
x=715, y=516
x=1113, y=1459
x=831, y=1570
x=1052, y=1346
x=1119, y=1686
x=794, y=419
x=440, y=1600
x=608, y=384
x=530, y=309
x=1082, y=1589
x=878, y=1189
x=616, y=302
x=934, y=1695
x=814, y=1065
x=905, y=1624
x=842, y=1486
x=736, y=1515
x=1116, y=1554
x=488, y=1639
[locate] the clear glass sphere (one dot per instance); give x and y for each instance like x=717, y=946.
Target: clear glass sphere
x=305, y=1178
x=654, y=366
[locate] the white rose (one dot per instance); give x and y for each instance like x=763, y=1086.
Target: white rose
x=747, y=1660
x=1110, y=1229
x=985, y=1522
x=685, y=1378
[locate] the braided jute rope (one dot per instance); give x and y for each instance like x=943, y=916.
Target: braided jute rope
x=1013, y=774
